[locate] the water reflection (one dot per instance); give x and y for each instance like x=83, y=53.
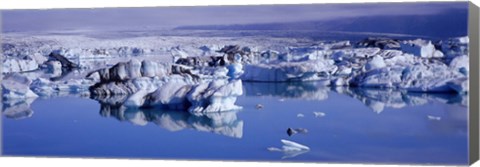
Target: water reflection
x=296, y=90
x=340, y=128
x=223, y=123
x=227, y=123
x=17, y=108
x=376, y=99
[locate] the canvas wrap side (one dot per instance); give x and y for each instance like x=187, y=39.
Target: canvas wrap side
x=474, y=50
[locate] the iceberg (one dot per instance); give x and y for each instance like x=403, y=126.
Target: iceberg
x=421, y=48
x=47, y=88
x=419, y=77
x=16, y=86
x=18, y=65
x=215, y=96
x=153, y=85
x=289, y=71
x=211, y=74
x=128, y=77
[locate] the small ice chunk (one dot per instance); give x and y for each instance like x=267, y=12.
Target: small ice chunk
x=300, y=115
x=295, y=145
x=319, y=114
x=433, y=118
x=273, y=149
x=290, y=149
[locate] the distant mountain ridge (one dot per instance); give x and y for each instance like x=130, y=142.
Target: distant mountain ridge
x=450, y=23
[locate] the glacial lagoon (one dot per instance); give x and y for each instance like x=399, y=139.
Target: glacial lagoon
x=355, y=125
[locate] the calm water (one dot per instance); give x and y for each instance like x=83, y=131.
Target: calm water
x=370, y=126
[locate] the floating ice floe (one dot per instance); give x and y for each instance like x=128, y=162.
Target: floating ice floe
x=434, y=118
x=300, y=115
x=319, y=114
x=290, y=149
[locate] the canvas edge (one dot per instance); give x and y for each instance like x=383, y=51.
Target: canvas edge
x=1, y=78
x=473, y=116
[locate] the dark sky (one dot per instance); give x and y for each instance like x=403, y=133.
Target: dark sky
x=108, y=18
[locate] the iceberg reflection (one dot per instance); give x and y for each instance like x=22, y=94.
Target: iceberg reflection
x=376, y=99
x=224, y=123
x=296, y=90
x=17, y=108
